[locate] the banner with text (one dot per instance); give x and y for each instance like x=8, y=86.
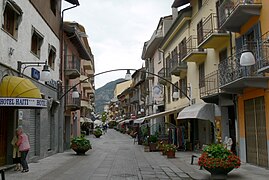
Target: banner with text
x=23, y=102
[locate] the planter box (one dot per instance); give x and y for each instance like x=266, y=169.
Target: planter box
x=146, y=149
x=153, y=147
x=171, y=154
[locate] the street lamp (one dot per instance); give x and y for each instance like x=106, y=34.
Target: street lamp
x=127, y=76
x=45, y=73
x=247, y=58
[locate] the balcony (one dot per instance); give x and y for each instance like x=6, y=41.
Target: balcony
x=87, y=64
x=72, y=67
x=150, y=75
x=178, y=68
x=210, y=85
x=209, y=35
x=71, y=103
x=87, y=86
x=85, y=102
x=234, y=14
x=151, y=45
x=83, y=76
x=164, y=74
x=234, y=78
x=134, y=99
x=192, y=53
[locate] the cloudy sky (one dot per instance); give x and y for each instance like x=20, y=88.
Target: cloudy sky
x=117, y=30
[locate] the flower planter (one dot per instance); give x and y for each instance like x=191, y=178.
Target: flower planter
x=98, y=135
x=146, y=149
x=219, y=173
x=153, y=147
x=80, y=150
x=170, y=154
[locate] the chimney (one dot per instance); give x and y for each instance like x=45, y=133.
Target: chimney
x=174, y=13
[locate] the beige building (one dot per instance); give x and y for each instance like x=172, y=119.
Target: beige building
x=120, y=87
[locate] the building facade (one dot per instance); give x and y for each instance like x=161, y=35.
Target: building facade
x=30, y=34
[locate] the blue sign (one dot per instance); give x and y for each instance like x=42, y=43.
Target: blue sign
x=35, y=74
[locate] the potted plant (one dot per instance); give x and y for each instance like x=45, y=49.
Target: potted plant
x=170, y=150
x=80, y=144
x=153, y=142
x=218, y=160
x=97, y=132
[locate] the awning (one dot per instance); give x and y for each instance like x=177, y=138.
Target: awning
x=203, y=111
x=164, y=113
x=119, y=120
x=84, y=119
x=139, y=120
x=13, y=86
x=20, y=92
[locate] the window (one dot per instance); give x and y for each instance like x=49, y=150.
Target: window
x=200, y=33
x=53, y=6
x=183, y=87
x=36, y=42
x=168, y=94
x=52, y=56
x=160, y=57
x=223, y=55
x=182, y=47
x=200, y=4
x=201, y=75
x=12, y=17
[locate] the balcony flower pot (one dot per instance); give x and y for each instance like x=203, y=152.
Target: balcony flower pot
x=80, y=145
x=218, y=160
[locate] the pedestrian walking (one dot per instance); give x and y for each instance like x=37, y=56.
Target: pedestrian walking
x=16, y=153
x=24, y=147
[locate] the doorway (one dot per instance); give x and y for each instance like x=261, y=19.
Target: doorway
x=255, y=128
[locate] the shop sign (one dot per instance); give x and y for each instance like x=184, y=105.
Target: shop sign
x=23, y=102
x=52, y=83
x=35, y=74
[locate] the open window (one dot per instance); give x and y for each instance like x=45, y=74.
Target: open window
x=36, y=42
x=52, y=56
x=12, y=17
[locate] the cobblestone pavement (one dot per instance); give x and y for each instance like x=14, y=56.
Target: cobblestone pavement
x=114, y=156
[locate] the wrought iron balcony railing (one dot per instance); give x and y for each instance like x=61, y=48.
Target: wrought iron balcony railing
x=210, y=85
x=165, y=74
x=230, y=69
x=234, y=13
x=70, y=102
x=208, y=28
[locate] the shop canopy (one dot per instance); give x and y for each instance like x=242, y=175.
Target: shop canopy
x=203, y=111
x=17, y=91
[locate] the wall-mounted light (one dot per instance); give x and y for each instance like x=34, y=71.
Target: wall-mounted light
x=45, y=74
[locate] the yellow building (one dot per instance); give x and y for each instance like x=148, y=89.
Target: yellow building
x=120, y=87
x=192, y=49
x=250, y=21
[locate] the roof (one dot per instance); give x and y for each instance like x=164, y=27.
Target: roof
x=74, y=2
x=178, y=3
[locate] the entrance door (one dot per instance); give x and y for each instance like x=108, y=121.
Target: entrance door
x=3, y=137
x=256, y=142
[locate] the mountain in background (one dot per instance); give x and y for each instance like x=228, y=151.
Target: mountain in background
x=104, y=94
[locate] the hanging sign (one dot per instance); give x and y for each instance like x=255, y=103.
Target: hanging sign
x=23, y=102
